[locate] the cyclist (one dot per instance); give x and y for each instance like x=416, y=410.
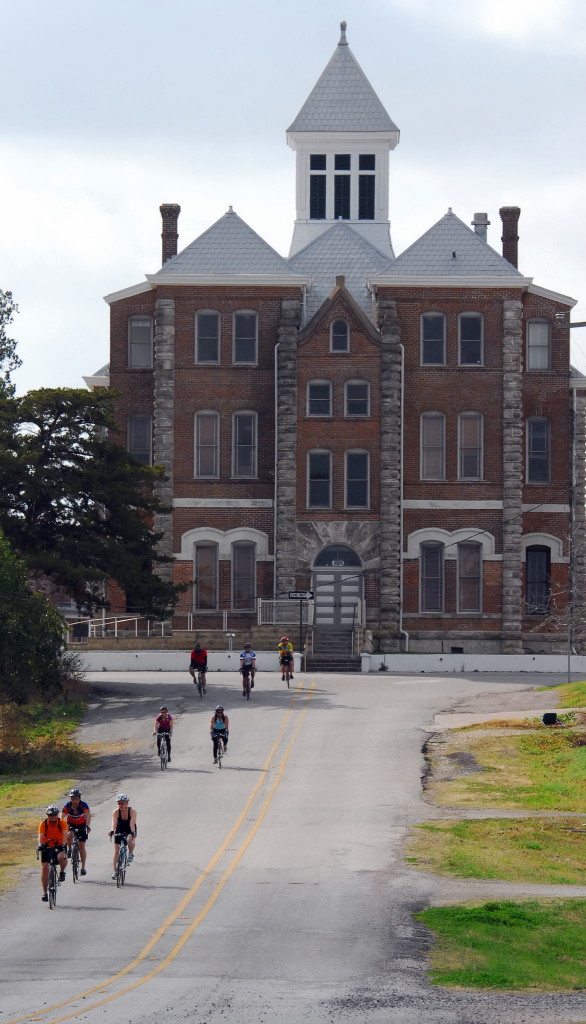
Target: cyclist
x=247, y=666
x=123, y=824
x=77, y=816
x=163, y=728
x=199, y=663
x=219, y=726
x=53, y=834
x=285, y=649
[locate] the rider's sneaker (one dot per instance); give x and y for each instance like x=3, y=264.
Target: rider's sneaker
x=252, y=684
x=113, y=876
x=244, y=693
x=215, y=760
x=83, y=871
x=61, y=876
x=291, y=676
x=204, y=690
x=282, y=679
x=169, y=759
x=130, y=858
x=45, y=898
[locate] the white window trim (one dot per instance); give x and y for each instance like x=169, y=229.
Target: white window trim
x=207, y=362
x=254, y=474
x=469, y=414
x=247, y=312
x=319, y=415
x=356, y=415
x=139, y=316
x=339, y=351
x=224, y=540
x=537, y=419
x=206, y=412
x=466, y=611
x=427, y=415
x=357, y=451
x=529, y=348
x=545, y=540
x=471, y=312
x=318, y=451
x=438, y=611
x=451, y=539
x=432, y=312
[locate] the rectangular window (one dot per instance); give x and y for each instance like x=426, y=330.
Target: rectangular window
x=244, y=444
x=207, y=444
x=243, y=577
x=317, y=162
x=432, y=577
x=140, y=438
x=366, y=162
x=341, y=196
x=357, y=480
x=340, y=336
x=433, y=339
x=538, y=451
x=319, y=480
x=342, y=162
x=357, y=398
x=469, y=577
x=471, y=339
x=319, y=398
x=205, y=577
x=470, y=438
x=366, y=196
x=317, y=196
x=245, y=325
x=538, y=345
x=208, y=338
x=433, y=444
x=537, y=580
x=140, y=342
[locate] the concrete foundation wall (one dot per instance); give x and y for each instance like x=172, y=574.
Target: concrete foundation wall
x=417, y=664
x=173, y=661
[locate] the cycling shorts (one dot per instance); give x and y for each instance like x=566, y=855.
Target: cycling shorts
x=286, y=658
x=80, y=831
x=47, y=854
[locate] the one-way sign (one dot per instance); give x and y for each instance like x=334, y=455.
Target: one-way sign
x=301, y=595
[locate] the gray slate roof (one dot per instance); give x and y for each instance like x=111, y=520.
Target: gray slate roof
x=228, y=247
x=339, y=250
x=343, y=99
x=432, y=253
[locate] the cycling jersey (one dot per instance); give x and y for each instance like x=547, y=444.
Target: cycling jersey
x=285, y=651
x=248, y=656
x=53, y=832
x=199, y=659
x=219, y=724
x=123, y=826
x=75, y=817
x=163, y=724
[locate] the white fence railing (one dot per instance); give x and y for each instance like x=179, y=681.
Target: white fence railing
x=114, y=625
x=283, y=612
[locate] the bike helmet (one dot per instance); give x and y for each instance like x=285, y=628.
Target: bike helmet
x=220, y=708
x=284, y=638
x=198, y=647
x=75, y=792
x=248, y=644
x=164, y=708
x=122, y=798
x=51, y=810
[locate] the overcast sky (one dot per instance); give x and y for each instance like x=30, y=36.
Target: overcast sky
x=114, y=107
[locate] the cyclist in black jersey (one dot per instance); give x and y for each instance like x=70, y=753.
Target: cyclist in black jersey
x=123, y=824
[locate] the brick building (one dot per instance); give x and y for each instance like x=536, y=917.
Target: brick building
x=402, y=434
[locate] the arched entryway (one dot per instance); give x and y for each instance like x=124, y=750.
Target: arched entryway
x=337, y=586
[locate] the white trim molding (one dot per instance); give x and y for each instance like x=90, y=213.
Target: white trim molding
x=127, y=293
x=545, y=540
x=546, y=508
x=259, y=280
x=223, y=502
x=224, y=540
x=450, y=539
x=445, y=281
x=416, y=503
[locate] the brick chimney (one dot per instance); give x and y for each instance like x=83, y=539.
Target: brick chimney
x=170, y=214
x=510, y=237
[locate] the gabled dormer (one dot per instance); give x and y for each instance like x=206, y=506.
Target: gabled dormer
x=342, y=136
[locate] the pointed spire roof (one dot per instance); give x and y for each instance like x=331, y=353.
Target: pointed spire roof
x=343, y=99
x=450, y=248
x=228, y=248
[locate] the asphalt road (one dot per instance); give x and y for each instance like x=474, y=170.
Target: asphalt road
x=273, y=890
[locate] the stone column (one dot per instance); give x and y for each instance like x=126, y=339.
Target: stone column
x=512, y=476
x=164, y=422
x=578, y=548
x=286, y=447
x=391, y=484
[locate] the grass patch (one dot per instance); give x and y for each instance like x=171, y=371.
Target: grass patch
x=568, y=695
x=542, y=769
x=473, y=945
x=37, y=737
x=542, y=851
x=22, y=803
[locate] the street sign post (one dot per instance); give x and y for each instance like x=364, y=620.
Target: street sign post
x=301, y=596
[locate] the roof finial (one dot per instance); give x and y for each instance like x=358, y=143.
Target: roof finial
x=343, y=40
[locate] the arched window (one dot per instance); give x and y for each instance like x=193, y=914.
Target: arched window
x=319, y=479
x=337, y=555
x=470, y=446
x=243, y=576
x=205, y=577
x=469, y=577
x=431, y=577
x=357, y=482
x=207, y=444
x=244, y=444
x=537, y=579
x=340, y=336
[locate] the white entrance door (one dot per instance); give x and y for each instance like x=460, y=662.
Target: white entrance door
x=336, y=599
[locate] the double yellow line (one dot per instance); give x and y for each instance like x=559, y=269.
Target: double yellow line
x=184, y=902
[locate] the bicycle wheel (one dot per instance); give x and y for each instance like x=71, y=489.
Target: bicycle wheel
x=287, y=676
x=164, y=754
x=199, y=685
x=220, y=752
x=75, y=861
x=247, y=686
x=121, y=865
x=52, y=885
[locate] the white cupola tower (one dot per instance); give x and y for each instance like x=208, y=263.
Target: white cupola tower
x=342, y=136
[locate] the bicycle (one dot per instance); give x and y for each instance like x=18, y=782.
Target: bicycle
x=200, y=684
x=219, y=750
x=286, y=671
x=163, y=749
x=246, y=682
x=53, y=879
x=74, y=855
x=122, y=861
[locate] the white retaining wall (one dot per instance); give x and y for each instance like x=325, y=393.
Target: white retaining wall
x=416, y=664
x=173, y=661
